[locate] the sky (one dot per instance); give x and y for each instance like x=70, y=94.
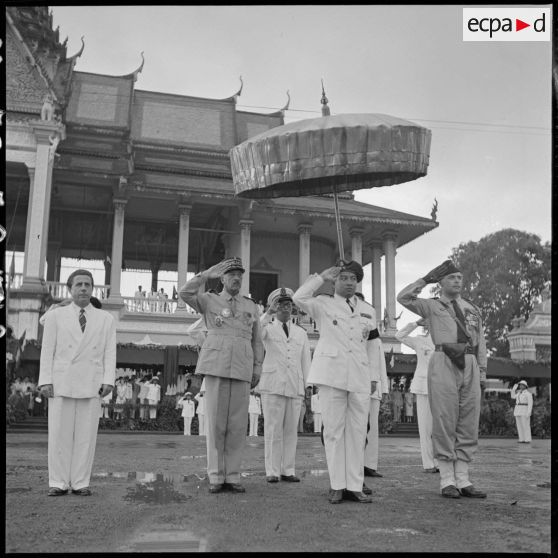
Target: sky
x=488, y=104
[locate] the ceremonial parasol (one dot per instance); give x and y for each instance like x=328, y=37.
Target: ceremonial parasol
x=328, y=155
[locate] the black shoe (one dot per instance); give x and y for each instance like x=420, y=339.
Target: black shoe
x=272, y=479
x=216, y=488
x=432, y=470
x=450, y=491
x=335, y=496
x=356, y=497
x=82, y=491
x=290, y=478
x=371, y=473
x=366, y=490
x=233, y=487
x=472, y=492
x=53, y=491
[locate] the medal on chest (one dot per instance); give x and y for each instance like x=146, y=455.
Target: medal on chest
x=219, y=321
x=226, y=313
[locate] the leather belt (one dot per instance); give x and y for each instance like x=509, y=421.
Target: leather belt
x=522, y=404
x=468, y=349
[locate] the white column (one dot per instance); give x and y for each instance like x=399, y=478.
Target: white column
x=377, y=279
x=390, y=239
x=245, y=229
x=117, y=247
x=304, y=230
x=47, y=136
x=183, y=242
x=356, y=248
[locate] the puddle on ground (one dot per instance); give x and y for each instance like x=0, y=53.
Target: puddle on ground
x=147, y=477
x=315, y=472
x=154, y=488
x=166, y=540
x=393, y=531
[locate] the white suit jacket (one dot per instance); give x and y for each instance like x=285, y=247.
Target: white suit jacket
x=523, y=402
x=188, y=408
x=286, y=364
x=76, y=363
x=344, y=358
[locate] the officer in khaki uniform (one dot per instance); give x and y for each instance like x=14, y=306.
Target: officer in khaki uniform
x=230, y=359
x=456, y=373
x=345, y=366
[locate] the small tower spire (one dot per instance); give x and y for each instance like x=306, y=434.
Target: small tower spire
x=324, y=101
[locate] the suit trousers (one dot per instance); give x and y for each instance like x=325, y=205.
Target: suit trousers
x=201, y=425
x=344, y=415
x=371, y=449
x=523, y=424
x=454, y=397
x=254, y=424
x=317, y=422
x=226, y=416
x=72, y=436
x=187, y=426
x=281, y=416
x=424, y=419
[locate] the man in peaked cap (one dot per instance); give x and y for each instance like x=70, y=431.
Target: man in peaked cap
x=230, y=359
x=456, y=374
x=346, y=369
x=285, y=369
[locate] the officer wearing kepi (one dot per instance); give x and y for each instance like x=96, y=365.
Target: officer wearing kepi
x=230, y=359
x=345, y=366
x=456, y=374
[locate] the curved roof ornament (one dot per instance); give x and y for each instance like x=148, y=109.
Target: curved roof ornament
x=79, y=53
x=324, y=101
x=286, y=107
x=239, y=92
x=134, y=74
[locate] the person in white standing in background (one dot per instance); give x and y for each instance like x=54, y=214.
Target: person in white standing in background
x=200, y=410
x=188, y=411
x=282, y=384
x=522, y=411
x=153, y=396
x=77, y=369
x=424, y=347
x=316, y=409
x=372, y=448
x=254, y=410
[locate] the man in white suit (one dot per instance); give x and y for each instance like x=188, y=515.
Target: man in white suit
x=345, y=367
x=285, y=368
x=77, y=369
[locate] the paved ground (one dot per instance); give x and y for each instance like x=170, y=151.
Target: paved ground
x=150, y=494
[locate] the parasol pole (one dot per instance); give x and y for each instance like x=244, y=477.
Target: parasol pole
x=338, y=223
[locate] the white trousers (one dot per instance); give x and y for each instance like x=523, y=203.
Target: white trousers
x=281, y=416
x=254, y=424
x=72, y=436
x=424, y=419
x=152, y=408
x=187, y=426
x=372, y=438
x=344, y=415
x=201, y=425
x=317, y=422
x=523, y=424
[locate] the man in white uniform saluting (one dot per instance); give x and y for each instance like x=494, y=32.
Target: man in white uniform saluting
x=77, y=369
x=345, y=367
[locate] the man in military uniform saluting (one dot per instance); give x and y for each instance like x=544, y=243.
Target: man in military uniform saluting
x=456, y=374
x=346, y=367
x=230, y=358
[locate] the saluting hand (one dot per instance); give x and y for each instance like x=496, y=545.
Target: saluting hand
x=273, y=308
x=105, y=390
x=331, y=273
x=215, y=271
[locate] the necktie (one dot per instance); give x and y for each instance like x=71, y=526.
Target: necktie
x=82, y=320
x=233, y=305
x=350, y=305
x=285, y=329
x=461, y=337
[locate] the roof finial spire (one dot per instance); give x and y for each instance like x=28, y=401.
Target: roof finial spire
x=324, y=101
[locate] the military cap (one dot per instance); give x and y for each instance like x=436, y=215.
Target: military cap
x=233, y=264
x=523, y=382
x=439, y=272
x=353, y=267
x=279, y=295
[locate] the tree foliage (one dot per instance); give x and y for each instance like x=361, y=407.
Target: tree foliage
x=504, y=274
